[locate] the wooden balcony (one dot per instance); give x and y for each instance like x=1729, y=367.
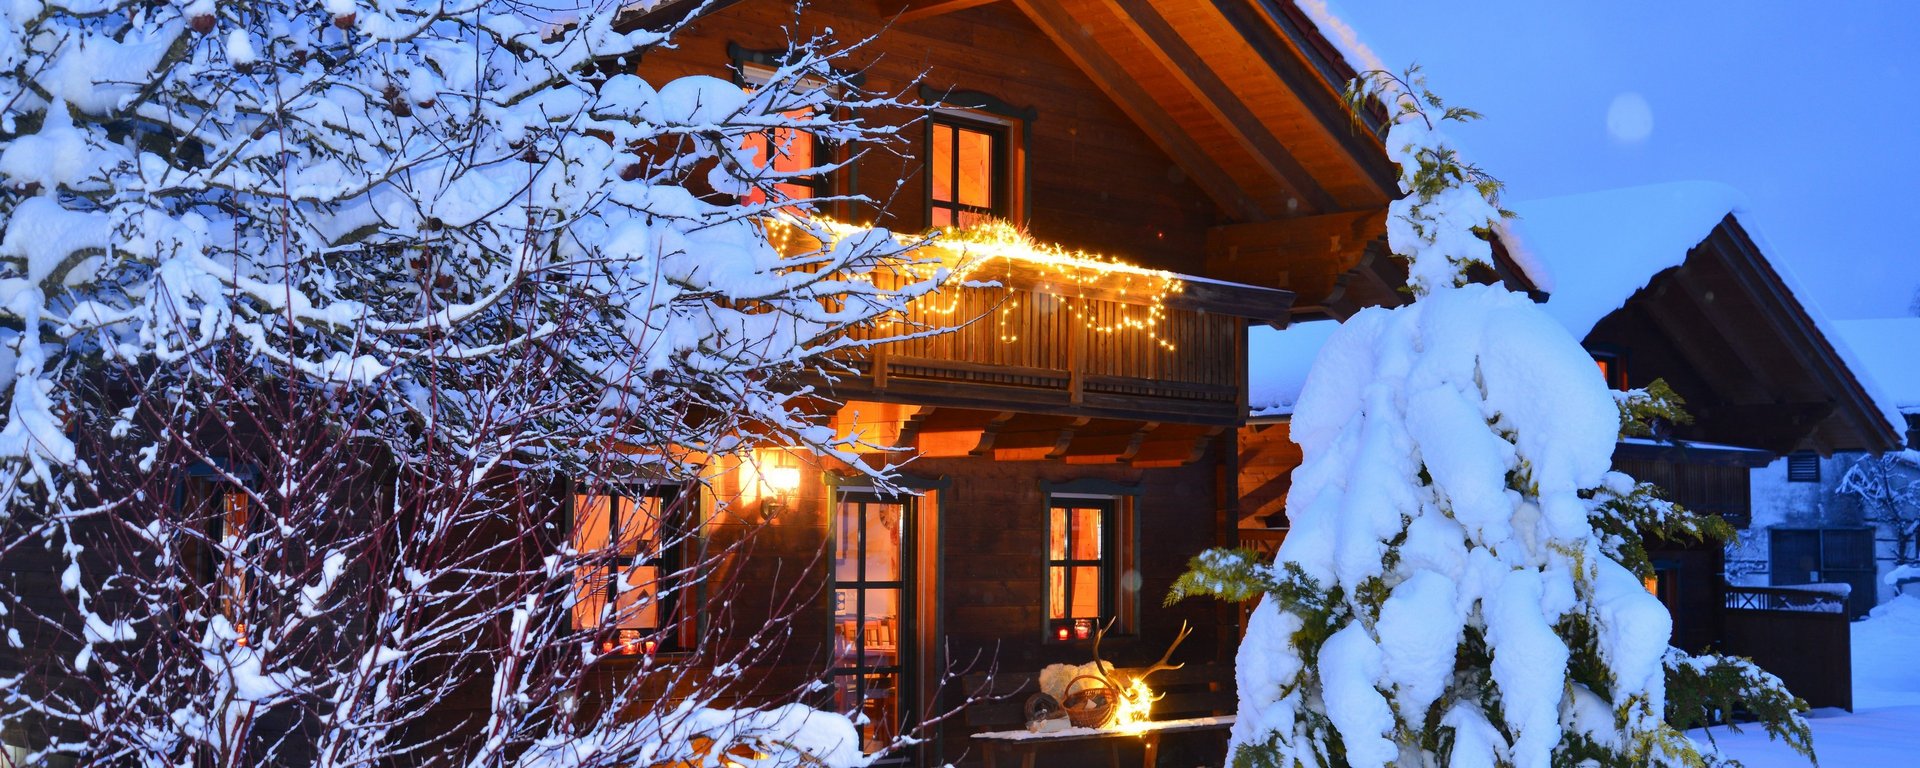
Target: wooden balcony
x=1047, y=334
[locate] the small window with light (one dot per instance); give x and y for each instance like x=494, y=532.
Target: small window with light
x=787, y=154
x=967, y=171
x=1611, y=368
x=624, y=548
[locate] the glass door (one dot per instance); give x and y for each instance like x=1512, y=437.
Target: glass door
x=872, y=594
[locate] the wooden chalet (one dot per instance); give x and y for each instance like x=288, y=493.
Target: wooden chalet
x=1074, y=448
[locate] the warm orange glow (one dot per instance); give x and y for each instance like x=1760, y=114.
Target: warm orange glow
x=781, y=479
x=1133, y=707
x=1652, y=583
x=986, y=252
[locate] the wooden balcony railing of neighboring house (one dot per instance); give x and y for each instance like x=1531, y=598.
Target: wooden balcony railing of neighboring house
x=1035, y=328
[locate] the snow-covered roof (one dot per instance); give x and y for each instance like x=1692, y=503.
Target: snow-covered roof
x=1277, y=364
x=1596, y=249
x=1889, y=351
x=1600, y=247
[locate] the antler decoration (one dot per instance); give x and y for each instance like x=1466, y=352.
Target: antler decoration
x=1121, y=683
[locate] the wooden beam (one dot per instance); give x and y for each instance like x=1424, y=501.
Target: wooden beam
x=1176, y=445
x=1106, y=73
x=910, y=15
x=990, y=432
x=1378, y=280
x=1277, y=37
x=1305, y=255
x=1219, y=99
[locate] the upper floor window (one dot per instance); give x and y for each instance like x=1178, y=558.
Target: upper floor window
x=624, y=544
x=1611, y=368
x=783, y=151
x=968, y=164
x=786, y=153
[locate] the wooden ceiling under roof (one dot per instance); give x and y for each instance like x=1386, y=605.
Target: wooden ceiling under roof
x=1223, y=90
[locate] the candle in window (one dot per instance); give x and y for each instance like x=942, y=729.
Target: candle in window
x=1083, y=628
x=1061, y=633
x=650, y=646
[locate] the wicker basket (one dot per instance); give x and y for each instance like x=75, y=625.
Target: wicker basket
x=1089, y=707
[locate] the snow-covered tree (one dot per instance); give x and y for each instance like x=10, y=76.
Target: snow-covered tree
x=1888, y=487
x=1462, y=581
x=312, y=313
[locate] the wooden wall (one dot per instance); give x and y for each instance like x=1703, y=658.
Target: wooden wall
x=1096, y=181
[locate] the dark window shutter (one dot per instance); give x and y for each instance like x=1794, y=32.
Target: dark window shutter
x=1803, y=467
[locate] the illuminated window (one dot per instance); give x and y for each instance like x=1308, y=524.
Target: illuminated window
x=229, y=526
x=793, y=152
x=1611, y=369
x=966, y=171
x=1080, y=567
x=625, y=553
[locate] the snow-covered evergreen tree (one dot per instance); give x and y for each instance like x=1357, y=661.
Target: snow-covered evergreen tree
x=385, y=275
x=1462, y=582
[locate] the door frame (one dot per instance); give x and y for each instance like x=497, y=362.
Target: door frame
x=923, y=587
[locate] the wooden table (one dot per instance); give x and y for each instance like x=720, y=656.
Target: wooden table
x=1027, y=744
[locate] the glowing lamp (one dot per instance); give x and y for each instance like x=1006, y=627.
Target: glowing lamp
x=1061, y=633
x=781, y=480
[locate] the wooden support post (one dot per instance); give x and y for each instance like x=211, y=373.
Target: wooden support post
x=1076, y=364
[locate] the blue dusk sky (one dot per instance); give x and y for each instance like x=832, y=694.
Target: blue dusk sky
x=1810, y=109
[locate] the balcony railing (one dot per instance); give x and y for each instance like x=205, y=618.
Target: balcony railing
x=1030, y=328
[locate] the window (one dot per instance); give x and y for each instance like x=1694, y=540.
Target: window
x=967, y=163
x=780, y=150
x=792, y=151
x=1803, y=467
x=228, y=515
x=1080, y=567
x=1611, y=369
x=625, y=553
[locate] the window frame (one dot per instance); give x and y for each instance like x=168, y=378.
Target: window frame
x=674, y=528
x=1120, y=578
x=211, y=485
x=753, y=69
x=1613, y=365
x=1106, y=565
x=1000, y=132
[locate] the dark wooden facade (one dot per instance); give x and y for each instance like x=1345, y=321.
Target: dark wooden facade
x=1147, y=132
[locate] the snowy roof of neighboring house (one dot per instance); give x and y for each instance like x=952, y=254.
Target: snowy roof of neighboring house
x=1601, y=247
x=1277, y=364
x=1597, y=249
x=1889, y=349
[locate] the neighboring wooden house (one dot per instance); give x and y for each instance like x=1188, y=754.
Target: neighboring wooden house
x=1806, y=528
x=1077, y=446
x=1658, y=282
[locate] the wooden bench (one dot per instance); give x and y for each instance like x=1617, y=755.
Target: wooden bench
x=1196, y=698
x=1026, y=744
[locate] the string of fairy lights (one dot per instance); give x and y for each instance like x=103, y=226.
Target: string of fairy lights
x=992, y=252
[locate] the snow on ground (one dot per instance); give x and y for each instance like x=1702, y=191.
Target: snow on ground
x=1884, y=728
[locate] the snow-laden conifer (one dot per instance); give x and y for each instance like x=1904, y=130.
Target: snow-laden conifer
x=1461, y=584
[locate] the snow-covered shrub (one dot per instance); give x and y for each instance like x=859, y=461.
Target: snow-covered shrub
x=1462, y=582
x=310, y=309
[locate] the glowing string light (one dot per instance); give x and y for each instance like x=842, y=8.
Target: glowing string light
x=990, y=253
